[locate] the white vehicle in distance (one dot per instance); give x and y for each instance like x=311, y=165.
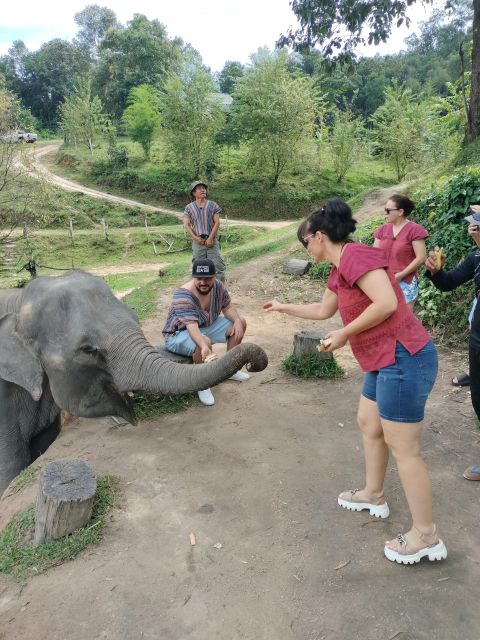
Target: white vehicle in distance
x=18, y=136
x=26, y=136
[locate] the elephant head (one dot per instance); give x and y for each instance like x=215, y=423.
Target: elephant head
x=92, y=349
x=68, y=336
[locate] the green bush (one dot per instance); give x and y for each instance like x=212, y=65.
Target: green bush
x=442, y=211
x=364, y=231
x=118, y=157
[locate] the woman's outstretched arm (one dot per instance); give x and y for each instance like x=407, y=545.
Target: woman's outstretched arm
x=315, y=311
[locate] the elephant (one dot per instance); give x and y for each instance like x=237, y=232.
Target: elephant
x=67, y=343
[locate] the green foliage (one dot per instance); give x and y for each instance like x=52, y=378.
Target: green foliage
x=441, y=211
x=232, y=70
x=21, y=560
x=364, y=231
x=118, y=157
x=312, y=366
x=81, y=114
x=192, y=120
x=320, y=271
x=148, y=406
x=142, y=117
x=338, y=27
x=345, y=142
x=94, y=22
x=140, y=53
x=274, y=112
x=397, y=130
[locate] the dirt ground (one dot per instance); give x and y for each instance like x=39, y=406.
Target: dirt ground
x=259, y=473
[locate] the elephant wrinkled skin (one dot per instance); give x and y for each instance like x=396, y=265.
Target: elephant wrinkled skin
x=67, y=343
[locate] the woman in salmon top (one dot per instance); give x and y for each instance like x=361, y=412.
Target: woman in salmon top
x=404, y=244
x=400, y=364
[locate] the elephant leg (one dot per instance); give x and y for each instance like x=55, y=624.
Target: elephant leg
x=40, y=442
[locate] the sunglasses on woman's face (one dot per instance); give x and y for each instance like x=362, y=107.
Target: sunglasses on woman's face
x=387, y=210
x=306, y=239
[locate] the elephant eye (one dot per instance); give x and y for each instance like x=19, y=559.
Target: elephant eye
x=91, y=351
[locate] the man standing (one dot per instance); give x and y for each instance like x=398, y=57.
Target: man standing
x=202, y=221
x=194, y=322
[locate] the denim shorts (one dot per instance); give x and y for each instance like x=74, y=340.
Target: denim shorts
x=401, y=389
x=182, y=343
x=409, y=289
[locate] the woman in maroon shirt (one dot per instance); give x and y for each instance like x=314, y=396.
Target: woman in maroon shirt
x=400, y=365
x=404, y=244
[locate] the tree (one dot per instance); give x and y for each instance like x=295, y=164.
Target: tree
x=42, y=79
x=192, y=119
x=345, y=142
x=142, y=117
x=232, y=70
x=82, y=117
x=17, y=185
x=338, y=27
x=274, y=112
x=139, y=54
x=94, y=22
x=398, y=130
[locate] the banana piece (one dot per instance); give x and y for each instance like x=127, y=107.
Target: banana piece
x=438, y=257
x=323, y=344
x=211, y=357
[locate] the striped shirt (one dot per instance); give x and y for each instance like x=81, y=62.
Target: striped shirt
x=201, y=219
x=186, y=308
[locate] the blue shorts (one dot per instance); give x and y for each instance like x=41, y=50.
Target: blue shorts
x=409, y=289
x=401, y=389
x=182, y=343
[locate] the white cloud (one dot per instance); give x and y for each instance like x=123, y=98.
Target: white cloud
x=219, y=29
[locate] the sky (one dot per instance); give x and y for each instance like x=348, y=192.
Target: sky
x=219, y=29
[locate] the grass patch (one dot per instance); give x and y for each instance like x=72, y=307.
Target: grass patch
x=311, y=366
x=147, y=406
x=24, y=478
x=21, y=560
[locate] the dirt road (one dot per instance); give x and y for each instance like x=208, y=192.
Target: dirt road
x=259, y=473
x=70, y=185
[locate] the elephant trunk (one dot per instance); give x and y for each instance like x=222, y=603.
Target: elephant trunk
x=137, y=366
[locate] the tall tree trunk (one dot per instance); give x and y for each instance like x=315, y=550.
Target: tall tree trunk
x=473, y=124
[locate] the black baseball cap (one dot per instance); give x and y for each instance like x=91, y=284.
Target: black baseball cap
x=203, y=268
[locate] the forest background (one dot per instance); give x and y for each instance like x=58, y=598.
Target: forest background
x=140, y=114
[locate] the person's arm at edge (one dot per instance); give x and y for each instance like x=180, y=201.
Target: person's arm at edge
x=453, y=278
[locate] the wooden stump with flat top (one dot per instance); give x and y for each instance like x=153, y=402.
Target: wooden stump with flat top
x=65, y=498
x=306, y=342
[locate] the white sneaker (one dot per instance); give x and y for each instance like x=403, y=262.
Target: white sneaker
x=206, y=397
x=240, y=376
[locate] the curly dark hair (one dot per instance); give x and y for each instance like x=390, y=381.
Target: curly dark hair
x=334, y=219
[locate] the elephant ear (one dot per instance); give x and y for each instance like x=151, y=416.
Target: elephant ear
x=17, y=363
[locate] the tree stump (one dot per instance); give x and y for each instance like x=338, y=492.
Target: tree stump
x=306, y=342
x=65, y=498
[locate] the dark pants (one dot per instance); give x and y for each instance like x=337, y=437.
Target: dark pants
x=474, y=358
